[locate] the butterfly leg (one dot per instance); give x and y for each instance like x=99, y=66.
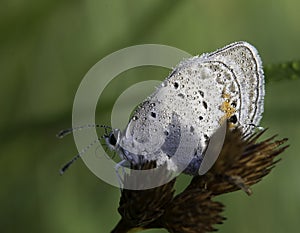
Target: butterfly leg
x=121, y=175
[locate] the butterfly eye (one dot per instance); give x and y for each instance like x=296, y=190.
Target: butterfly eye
x=112, y=139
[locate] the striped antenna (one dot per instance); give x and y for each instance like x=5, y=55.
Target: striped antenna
x=68, y=164
x=65, y=132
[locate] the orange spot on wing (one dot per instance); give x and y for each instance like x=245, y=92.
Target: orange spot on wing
x=227, y=109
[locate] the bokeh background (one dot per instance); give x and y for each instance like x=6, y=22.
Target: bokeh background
x=47, y=46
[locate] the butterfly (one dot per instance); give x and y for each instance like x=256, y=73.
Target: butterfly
x=176, y=123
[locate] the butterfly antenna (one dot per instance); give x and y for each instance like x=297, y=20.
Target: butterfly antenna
x=65, y=132
x=68, y=164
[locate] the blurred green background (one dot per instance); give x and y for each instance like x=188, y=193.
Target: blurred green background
x=46, y=47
